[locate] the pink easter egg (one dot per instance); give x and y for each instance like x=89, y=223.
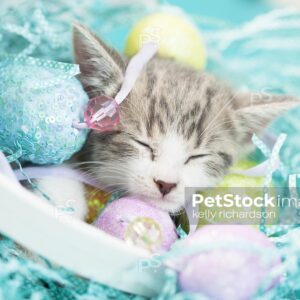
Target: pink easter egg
x=233, y=272
x=138, y=223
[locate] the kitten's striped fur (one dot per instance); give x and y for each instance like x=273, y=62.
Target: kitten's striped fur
x=177, y=125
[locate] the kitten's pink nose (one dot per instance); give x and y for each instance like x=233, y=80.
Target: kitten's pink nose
x=164, y=187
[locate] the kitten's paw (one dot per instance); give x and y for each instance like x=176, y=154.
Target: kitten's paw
x=68, y=196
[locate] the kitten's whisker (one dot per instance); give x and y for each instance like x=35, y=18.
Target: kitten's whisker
x=98, y=178
x=91, y=162
x=114, y=176
x=109, y=166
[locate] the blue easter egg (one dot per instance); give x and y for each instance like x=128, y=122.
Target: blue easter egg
x=289, y=124
x=39, y=100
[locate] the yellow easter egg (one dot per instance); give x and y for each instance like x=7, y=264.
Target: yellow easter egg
x=175, y=35
x=250, y=187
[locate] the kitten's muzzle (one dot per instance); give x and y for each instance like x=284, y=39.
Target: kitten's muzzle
x=164, y=187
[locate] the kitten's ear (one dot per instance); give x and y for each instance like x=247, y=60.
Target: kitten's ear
x=253, y=112
x=101, y=67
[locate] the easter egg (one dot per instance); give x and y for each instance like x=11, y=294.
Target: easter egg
x=39, y=100
x=232, y=262
x=96, y=202
x=175, y=35
x=138, y=223
x=247, y=187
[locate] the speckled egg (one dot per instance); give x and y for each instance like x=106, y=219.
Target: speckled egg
x=138, y=223
x=39, y=100
x=232, y=262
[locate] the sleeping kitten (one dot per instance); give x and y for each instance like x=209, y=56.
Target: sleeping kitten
x=179, y=128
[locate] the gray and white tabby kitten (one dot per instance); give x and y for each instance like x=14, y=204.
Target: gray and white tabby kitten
x=179, y=128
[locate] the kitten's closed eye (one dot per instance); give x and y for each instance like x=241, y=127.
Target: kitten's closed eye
x=195, y=157
x=147, y=146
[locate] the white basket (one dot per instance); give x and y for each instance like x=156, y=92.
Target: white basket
x=74, y=244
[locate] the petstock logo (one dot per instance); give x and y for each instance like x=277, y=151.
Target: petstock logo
x=242, y=205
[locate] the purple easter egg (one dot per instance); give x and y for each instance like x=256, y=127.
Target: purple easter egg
x=234, y=272
x=139, y=223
